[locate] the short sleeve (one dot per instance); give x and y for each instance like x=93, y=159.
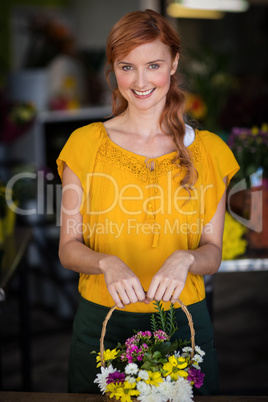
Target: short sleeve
x=79, y=153
x=218, y=162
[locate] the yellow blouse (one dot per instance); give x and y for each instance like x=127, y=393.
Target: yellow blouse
x=135, y=208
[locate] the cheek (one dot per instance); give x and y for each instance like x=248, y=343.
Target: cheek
x=123, y=80
x=162, y=80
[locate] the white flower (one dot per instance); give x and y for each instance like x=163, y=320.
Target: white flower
x=144, y=388
x=196, y=365
x=143, y=374
x=198, y=358
x=101, y=378
x=130, y=379
x=131, y=368
x=200, y=351
x=183, y=391
x=177, y=354
x=154, y=396
x=168, y=378
x=166, y=389
x=187, y=349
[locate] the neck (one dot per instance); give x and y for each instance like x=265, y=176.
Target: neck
x=144, y=123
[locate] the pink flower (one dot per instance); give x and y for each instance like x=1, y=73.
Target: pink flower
x=160, y=335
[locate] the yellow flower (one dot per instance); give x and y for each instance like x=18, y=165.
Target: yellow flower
x=107, y=355
x=174, y=367
x=122, y=392
x=154, y=378
x=233, y=243
x=255, y=130
x=264, y=127
x=129, y=391
x=116, y=390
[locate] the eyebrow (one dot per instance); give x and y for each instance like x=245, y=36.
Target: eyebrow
x=150, y=62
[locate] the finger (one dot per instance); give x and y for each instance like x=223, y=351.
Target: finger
x=168, y=294
x=152, y=289
x=131, y=294
x=124, y=296
x=116, y=298
x=176, y=294
x=164, y=285
x=145, y=301
x=140, y=293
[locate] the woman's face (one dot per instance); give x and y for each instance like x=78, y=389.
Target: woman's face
x=143, y=76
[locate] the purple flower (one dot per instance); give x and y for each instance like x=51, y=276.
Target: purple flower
x=115, y=377
x=196, y=376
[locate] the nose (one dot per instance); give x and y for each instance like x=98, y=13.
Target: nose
x=141, y=78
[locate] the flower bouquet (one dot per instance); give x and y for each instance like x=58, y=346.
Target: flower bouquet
x=249, y=200
x=148, y=366
x=249, y=146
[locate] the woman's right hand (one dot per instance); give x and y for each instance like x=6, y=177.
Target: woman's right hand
x=123, y=285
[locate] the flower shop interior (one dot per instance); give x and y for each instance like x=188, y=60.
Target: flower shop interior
x=52, y=81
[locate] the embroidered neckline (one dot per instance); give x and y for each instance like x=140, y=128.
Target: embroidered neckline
x=141, y=157
x=110, y=152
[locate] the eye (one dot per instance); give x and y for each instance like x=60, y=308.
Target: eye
x=154, y=66
x=127, y=68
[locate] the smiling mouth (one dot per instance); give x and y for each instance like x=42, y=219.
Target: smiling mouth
x=143, y=93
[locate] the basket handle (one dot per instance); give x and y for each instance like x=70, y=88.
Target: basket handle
x=108, y=316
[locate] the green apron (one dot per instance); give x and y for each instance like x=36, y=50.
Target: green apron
x=86, y=338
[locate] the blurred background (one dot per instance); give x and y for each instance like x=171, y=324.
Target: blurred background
x=52, y=81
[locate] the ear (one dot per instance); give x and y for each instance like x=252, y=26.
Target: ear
x=175, y=64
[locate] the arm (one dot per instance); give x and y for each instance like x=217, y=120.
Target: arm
x=123, y=285
x=169, y=281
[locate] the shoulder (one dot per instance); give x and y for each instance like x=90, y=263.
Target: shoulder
x=218, y=155
x=80, y=149
x=88, y=132
x=211, y=139
x=212, y=144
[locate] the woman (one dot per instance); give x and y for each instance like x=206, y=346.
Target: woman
x=143, y=202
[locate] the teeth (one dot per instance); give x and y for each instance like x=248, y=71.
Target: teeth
x=143, y=93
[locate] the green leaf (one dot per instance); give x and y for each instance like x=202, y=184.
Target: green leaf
x=161, y=315
x=155, y=368
x=146, y=366
x=182, y=343
x=154, y=325
x=166, y=347
x=147, y=357
x=171, y=321
x=157, y=355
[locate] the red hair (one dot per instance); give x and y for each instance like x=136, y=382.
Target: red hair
x=137, y=28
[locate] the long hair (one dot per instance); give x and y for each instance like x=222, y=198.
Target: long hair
x=137, y=28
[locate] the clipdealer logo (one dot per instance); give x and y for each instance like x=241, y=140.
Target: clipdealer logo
x=255, y=204
x=49, y=196
x=133, y=226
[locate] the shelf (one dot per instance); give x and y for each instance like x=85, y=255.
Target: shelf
x=85, y=113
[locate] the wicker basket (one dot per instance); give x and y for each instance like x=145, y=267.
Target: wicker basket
x=103, y=332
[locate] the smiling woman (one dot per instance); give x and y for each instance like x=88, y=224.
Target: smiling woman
x=145, y=74
x=152, y=202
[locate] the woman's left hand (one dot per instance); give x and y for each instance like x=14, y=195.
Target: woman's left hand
x=168, y=283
